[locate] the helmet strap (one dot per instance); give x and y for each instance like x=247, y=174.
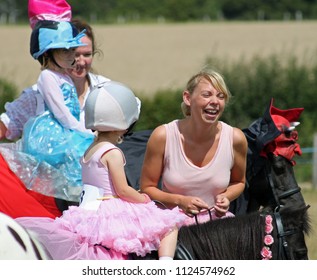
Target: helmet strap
x=49, y=56
x=54, y=61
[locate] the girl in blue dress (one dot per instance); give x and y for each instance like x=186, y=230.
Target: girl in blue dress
x=56, y=135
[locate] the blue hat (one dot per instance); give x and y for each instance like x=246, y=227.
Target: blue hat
x=49, y=34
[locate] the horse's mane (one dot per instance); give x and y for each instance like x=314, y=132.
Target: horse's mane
x=225, y=239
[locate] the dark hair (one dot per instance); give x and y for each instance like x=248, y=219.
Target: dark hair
x=83, y=25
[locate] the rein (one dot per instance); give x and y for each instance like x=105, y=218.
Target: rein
x=196, y=216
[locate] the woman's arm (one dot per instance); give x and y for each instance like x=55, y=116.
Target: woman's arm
x=238, y=171
x=152, y=170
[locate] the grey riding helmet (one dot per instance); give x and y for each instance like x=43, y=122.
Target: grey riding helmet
x=111, y=106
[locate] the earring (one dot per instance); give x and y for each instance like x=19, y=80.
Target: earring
x=120, y=140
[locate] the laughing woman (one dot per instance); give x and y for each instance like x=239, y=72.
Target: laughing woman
x=201, y=160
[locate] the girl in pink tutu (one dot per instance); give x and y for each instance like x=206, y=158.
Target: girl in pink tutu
x=113, y=219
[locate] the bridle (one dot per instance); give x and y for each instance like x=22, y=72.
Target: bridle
x=285, y=194
x=283, y=252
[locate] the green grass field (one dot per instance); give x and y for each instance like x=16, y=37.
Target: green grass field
x=310, y=196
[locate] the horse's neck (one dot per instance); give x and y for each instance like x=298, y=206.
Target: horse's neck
x=286, y=189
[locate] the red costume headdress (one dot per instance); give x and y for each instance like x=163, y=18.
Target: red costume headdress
x=285, y=144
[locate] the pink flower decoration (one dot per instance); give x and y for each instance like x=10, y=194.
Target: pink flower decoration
x=268, y=228
x=268, y=240
x=268, y=220
x=266, y=253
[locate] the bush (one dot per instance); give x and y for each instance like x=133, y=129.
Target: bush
x=252, y=83
x=7, y=93
x=164, y=107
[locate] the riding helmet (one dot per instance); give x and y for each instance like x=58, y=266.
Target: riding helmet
x=111, y=106
x=48, y=34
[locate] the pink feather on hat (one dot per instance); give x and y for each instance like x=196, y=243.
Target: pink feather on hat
x=57, y=10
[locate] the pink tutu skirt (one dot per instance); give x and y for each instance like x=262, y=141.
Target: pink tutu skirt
x=62, y=244
x=114, y=230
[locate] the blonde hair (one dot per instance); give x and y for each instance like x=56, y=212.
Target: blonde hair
x=214, y=78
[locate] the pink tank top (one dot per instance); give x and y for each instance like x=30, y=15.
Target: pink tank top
x=95, y=173
x=183, y=177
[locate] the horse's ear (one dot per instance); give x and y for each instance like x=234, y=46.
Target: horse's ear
x=303, y=208
x=303, y=211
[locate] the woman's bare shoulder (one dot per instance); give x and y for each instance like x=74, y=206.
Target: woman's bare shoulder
x=239, y=139
x=159, y=133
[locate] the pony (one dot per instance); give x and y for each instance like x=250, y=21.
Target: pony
x=272, y=145
x=276, y=235
x=270, y=179
x=274, y=185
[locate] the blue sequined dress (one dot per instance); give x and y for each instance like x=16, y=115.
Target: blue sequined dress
x=56, y=135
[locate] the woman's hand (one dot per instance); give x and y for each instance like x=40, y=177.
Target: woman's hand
x=192, y=205
x=222, y=205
